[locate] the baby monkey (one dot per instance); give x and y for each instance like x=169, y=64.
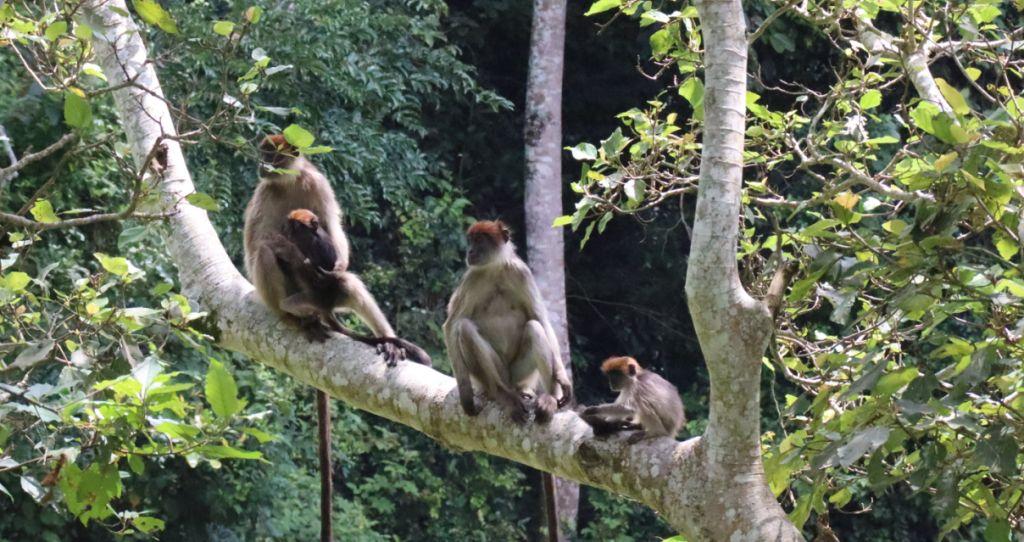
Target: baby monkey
x=307, y=255
x=647, y=403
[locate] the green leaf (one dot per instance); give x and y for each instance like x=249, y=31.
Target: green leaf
x=253, y=14
x=42, y=211
x=319, y=149
x=77, y=112
x=614, y=144
x=635, y=189
x=221, y=391
x=864, y=442
x=224, y=28
x=1007, y=248
x=56, y=30
x=262, y=436
x=943, y=162
x=871, y=99
x=584, y=151
x=298, y=136
x=154, y=14
x=177, y=430
x=113, y=264
x=84, y=31
x=894, y=381
x=602, y=6
x=227, y=452
x=693, y=90
x=33, y=488
x=16, y=281
x=563, y=220
x=916, y=302
x=136, y=464
x=953, y=97
x=147, y=524
x=997, y=530
x=203, y=201
x=35, y=352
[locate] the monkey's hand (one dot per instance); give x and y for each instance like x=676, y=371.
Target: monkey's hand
x=567, y=394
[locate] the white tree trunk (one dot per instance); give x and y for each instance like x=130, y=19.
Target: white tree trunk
x=709, y=488
x=733, y=328
x=545, y=245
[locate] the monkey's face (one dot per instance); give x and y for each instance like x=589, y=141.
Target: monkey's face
x=302, y=230
x=277, y=153
x=483, y=249
x=617, y=380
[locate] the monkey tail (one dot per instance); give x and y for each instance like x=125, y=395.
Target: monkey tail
x=412, y=351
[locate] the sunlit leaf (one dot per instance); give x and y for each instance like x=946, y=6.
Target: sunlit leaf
x=42, y=211
x=77, y=111
x=203, y=201
x=221, y=390
x=298, y=136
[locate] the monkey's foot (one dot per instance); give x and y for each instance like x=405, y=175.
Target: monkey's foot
x=470, y=407
x=391, y=353
x=314, y=330
x=636, y=437
x=545, y=408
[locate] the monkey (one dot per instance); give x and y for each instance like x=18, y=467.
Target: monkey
x=306, y=254
x=289, y=181
x=293, y=182
x=647, y=404
x=498, y=335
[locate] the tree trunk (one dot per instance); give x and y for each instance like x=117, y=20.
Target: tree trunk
x=709, y=488
x=733, y=328
x=545, y=246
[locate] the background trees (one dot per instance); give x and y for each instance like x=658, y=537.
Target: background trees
x=935, y=295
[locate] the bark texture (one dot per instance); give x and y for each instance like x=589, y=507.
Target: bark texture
x=733, y=328
x=545, y=245
x=709, y=488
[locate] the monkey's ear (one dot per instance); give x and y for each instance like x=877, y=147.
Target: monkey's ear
x=506, y=233
x=631, y=369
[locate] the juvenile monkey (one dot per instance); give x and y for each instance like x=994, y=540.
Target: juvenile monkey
x=308, y=257
x=498, y=335
x=647, y=403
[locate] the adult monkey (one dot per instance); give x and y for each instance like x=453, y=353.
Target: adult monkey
x=498, y=334
x=292, y=182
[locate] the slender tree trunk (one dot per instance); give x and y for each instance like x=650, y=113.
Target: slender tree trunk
x=710, y=488
x=545, y=246
x=733, y=328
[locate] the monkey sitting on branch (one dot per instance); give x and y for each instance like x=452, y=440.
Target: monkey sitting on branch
x=291, y=183
x=498, y=335
x=647, y=404
x=308, y=257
